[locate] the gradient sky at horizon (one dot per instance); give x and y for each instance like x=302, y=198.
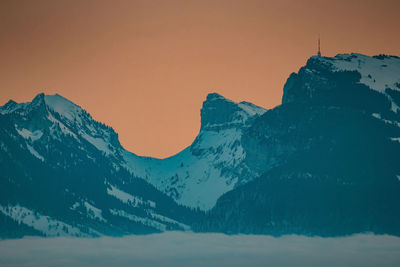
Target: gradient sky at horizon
x=145, y=67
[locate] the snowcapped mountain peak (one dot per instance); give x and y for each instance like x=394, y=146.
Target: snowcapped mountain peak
x=57, y=118
x=63, y=106
x=212, y=165
x=379, y=73
x=220, y=113
x=56, y=103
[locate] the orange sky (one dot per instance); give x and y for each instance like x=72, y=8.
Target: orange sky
x=145, y=67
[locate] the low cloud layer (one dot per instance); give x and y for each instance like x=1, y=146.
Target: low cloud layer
x=188, y=249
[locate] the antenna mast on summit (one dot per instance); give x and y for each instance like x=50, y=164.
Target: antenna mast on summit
x=319, y=46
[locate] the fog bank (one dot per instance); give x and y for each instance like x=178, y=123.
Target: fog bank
x=189, y=249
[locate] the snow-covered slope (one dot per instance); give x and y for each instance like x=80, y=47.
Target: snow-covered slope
x=195, y=177
x=62, y=173
x=378, y=73
x=63, y=119
x=212, y=165
x=44, y=224
x=52, y=147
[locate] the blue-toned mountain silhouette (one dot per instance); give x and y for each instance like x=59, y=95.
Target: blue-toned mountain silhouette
x=330, y=155
x=325, y=162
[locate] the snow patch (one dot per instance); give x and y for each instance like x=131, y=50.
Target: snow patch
x=378, y=116
x=64, y=129
x=162, y=218
x=44, y=224
x=377, y=74
x=395, y=139
x=63, y=107
x=134, y=218
x=251, y=109
x=34, y=152
x=26, y=134
x=94, y=212
x=99, y=143
x=75, y=206
x=124, y=197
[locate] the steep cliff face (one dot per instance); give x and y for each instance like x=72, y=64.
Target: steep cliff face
x=353, y=81
x=347, y=79
x=329, y=155
x=219, y=113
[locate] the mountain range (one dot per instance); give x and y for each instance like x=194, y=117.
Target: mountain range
x=324, y=162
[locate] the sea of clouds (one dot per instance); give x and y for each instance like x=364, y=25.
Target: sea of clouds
x=189, y=249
